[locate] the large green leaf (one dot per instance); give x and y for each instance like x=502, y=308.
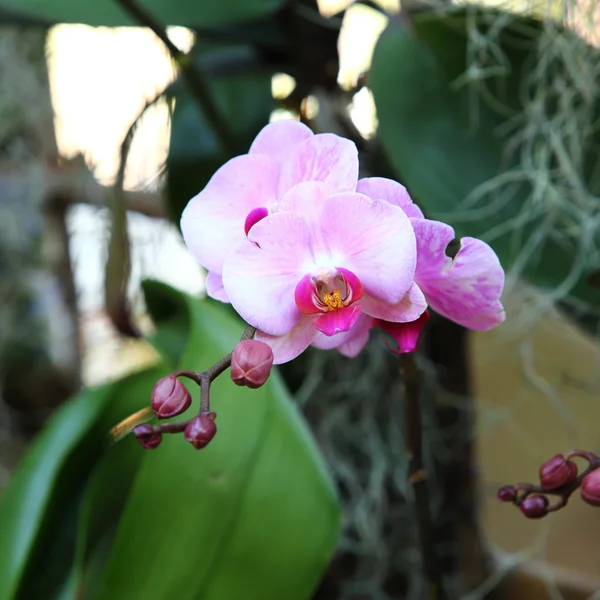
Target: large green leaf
x=244, y=98
x=188, y=13
x=448, y=140
x=253, y=515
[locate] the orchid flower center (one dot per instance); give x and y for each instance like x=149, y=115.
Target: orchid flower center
x=330, y=295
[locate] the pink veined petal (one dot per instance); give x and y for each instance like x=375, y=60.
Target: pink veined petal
x=214, y=287
x=380, y=188
x=465, y=289
x=354, y=287
x=307, y=199
x=261, y=273
x=352, y=340
x=374, y=240
x=275, y=139
x=337, y=321
x=406, y=335
x=304, y=296
x=411, y=307
x=213, y=221
x=358, y=340
x=325, y=157
x=289, y=346
x=254, y=216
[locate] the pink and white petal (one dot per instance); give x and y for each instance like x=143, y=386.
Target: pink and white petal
x=325, y=157
x=275, y=139
x=337, y=321
x=381, y=188
x=329, y=342
x=306, y=199
x=214, y=287
x=411, y=307
x=359, y=339
x=465, y=289
x=289, y=346
x=261, y=274
x=374, y=240
x=213, y=221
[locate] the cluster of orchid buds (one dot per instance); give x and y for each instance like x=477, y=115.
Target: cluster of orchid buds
x=250, y=362
x=560, y=477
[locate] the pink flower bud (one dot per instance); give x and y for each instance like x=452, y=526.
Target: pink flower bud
x=170, y=397
x=557, y=471
x=535, y=507
x=406, y=334
x=590, y=488
x=201, y=430
x=507, y=493
x=251, y=363
x=147, y=437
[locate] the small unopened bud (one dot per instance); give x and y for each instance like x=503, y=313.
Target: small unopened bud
x=147, y=437
x=590, y=488
x=201, y=430
x=557, y=472
x=251, y=363
x=535, y=507
x=170, y=397
x=507, y=493
x=406, y=334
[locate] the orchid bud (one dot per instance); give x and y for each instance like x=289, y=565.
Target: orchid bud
x=535, y=507
x=557, y=472
x=507, y=493
x=147, y=437
x=590, y=488
x=251, y=363
x=201, y=430
x=170, y=397
x=406, y=334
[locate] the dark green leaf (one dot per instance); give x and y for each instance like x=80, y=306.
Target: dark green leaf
x=448, y=140
x=189, y=13
x=253, y=515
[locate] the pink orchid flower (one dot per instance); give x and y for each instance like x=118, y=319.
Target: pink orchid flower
x=465, y=289
x=308, y=273
x=249, y=187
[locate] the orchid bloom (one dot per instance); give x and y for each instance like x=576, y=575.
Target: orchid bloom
x=309, y=255
x=247, y=188
x=307, y=273
x=465, y=289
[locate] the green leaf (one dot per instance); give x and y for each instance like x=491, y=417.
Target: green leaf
x=244, y=98
x=448, y=140
x=253, y=515
x=188, y=13
x=39, y=508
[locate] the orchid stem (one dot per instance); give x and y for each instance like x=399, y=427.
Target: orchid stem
x=417, y=477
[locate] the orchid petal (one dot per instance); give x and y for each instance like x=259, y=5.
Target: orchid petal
x=374, y=240
x=411, y=307
x=325, y=157
x=337, y=321
x=213, y=221
x=465, y=289
x=260, y=274
x=214, y=287
x=357, y=335
x=380, y=188
x=406, y=335
x=289, y=346
x=254, y=216
x=275, y=139
x=359, y=338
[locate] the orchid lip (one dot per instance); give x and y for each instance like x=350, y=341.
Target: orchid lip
x=254, y=216
x=327, y=290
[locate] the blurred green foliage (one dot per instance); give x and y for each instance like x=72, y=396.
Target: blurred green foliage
x=253, y=515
